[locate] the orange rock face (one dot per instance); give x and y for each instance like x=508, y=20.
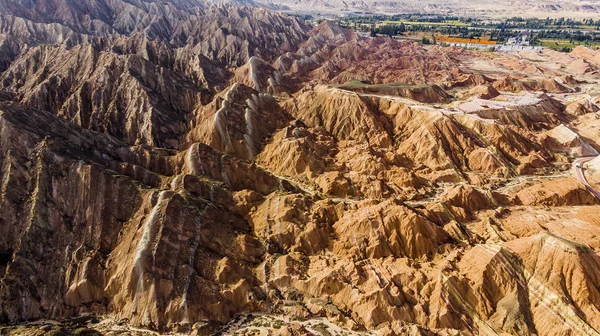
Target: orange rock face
x=232, y=170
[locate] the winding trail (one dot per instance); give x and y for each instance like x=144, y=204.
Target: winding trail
x=578, y=167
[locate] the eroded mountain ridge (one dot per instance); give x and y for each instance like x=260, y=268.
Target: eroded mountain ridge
x=180, y=165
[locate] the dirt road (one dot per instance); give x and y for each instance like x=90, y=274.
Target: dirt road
x=578, y=167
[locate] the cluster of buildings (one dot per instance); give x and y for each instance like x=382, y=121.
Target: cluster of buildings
x=518, y=43
x=524, y=39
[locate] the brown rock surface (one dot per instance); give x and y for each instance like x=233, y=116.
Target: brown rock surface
x=343, y=114
x=545, y=85
x=238, y=121
x=206, y=168
x=558, y=192
x=484, y=92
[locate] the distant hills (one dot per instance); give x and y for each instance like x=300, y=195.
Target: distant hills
x=487, y=8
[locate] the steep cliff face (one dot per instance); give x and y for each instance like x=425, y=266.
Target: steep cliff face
x=559, y=192
x=34, y=175
x=222, y=32
x=262, y=77
x=238, y=121
x=565, y=257
x=180, y=166
x=124, y=96
x=86, y=202
x=345, y=115
x=137, y=70
x=299, y=151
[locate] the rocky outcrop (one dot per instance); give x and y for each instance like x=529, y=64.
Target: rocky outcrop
x=484, y=92
x=222, y=32
x=327, y=32
x=124, y=96
x=581, y=107
x=458, y=142
x=298, y=151
x=260, y=76
x=578, y=316
x=467, y=198
x=238, y=121
x=473, y=80
x=548, y=85
x=368, y=232
x=561, y=192
x=205, y=168
x=344, y=115
x=83, y=194
x=336, y=55
x=496, y=280
x=562, y=138
x=586, y=54
x=382, y=61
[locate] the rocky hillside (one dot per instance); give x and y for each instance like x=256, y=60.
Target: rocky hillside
x=225, y=33
x=208, y=168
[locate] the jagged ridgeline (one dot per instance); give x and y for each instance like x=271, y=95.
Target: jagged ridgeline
x=217, y=167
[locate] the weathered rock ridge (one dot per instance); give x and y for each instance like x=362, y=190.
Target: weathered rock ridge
x=209, y=168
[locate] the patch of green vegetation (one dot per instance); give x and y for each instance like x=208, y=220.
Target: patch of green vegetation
x=355, y=82
x=534, y=60
x=322, y=329
x=48, y=330
x=58, y=331
x=85, y=332
x=261, y=322
x=565, y=45
x=278, y=324
x=455, y=23
x=10, y=331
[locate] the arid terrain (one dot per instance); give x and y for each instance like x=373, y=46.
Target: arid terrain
x=471, y=8
x=192, y=168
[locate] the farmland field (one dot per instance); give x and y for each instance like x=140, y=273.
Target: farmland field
x=425, y=23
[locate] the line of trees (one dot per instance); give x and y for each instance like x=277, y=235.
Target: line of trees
x=542, y=29
x=390, y=30
x=514, y=22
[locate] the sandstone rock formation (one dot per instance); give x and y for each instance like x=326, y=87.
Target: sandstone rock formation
x=124, y=96
x=238, y=121
x=207, y=168
x=484, y=92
